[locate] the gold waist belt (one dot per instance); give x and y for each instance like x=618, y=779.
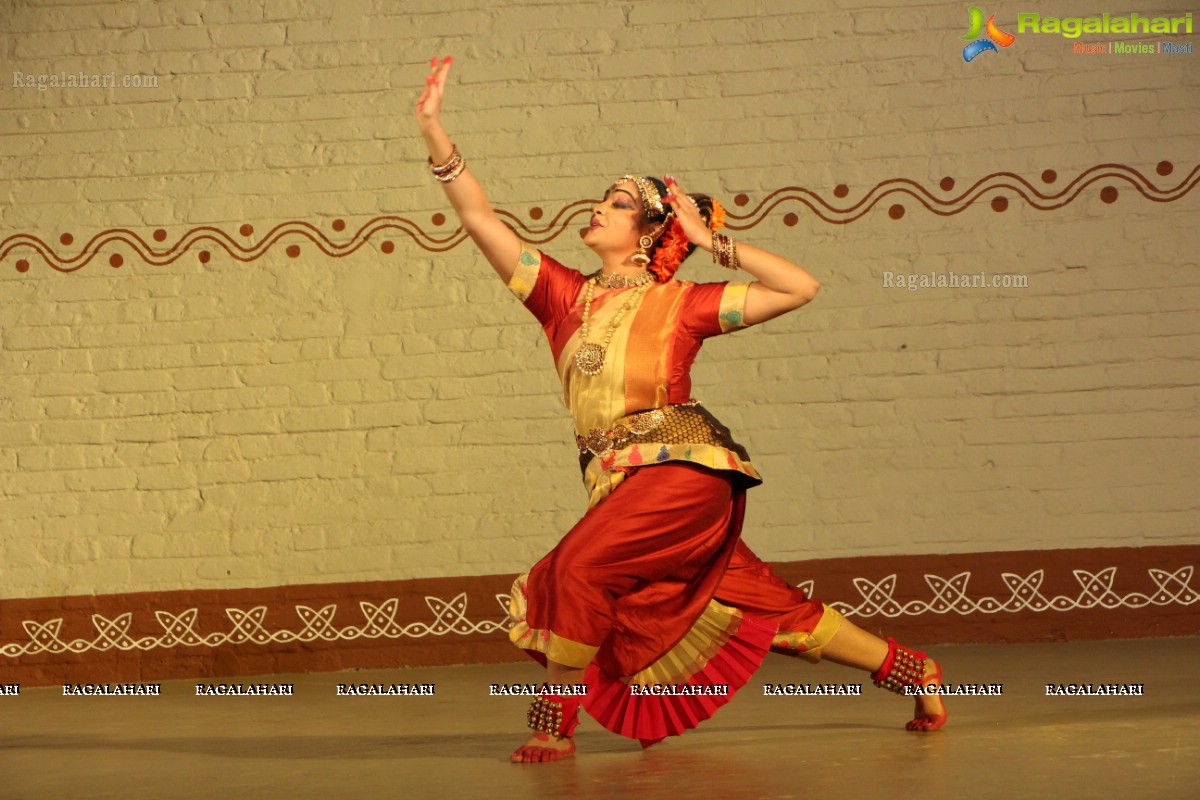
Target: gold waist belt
x=685, y=423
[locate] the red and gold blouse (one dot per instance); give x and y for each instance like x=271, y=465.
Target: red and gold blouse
x=647, y=366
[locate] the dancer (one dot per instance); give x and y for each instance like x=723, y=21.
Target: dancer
x=652, y=600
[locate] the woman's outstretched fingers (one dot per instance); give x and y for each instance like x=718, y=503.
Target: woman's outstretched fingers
x=429, y=104
x=439, y=72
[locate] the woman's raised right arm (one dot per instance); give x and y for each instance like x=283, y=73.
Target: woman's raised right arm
x=494, y=239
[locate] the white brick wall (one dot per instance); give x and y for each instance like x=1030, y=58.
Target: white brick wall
x=392, y=416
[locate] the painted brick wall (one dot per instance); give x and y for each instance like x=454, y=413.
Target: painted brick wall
x=275, y=419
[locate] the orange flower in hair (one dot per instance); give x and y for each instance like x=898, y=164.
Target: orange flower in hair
x=718, y=216
x=672, y=249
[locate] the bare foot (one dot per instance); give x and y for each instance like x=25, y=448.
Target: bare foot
x=930, y=711
x=543, y=747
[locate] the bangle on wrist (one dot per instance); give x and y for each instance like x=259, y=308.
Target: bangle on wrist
x=724, y=251
x=449, y=169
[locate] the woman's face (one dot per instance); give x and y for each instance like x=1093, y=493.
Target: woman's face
x=616, y=222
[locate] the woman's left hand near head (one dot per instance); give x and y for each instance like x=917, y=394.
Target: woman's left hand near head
x=688, y=214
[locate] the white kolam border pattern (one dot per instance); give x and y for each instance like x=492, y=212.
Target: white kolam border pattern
x=450, y=617
x=950, y=594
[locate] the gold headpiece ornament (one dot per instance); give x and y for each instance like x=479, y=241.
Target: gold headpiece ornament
x=651, y=200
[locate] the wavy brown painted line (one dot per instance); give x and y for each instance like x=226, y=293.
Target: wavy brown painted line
x=204, y=240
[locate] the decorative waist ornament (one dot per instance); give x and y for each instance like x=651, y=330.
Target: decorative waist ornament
x=682, y=423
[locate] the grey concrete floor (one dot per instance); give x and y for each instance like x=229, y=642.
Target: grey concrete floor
x=456, y=743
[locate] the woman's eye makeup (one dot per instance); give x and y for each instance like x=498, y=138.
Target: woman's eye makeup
x=621, y=200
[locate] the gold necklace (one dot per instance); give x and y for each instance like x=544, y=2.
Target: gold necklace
x=589, y=358
x=615, y=281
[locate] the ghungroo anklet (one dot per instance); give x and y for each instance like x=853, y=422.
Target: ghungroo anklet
x=902, y=668
x=554, y=715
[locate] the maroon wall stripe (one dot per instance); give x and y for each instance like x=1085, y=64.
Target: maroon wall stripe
x=1020, y=596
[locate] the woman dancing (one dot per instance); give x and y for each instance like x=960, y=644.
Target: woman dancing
x=651, y=600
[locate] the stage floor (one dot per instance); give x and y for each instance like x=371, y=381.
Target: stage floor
x=455, y=744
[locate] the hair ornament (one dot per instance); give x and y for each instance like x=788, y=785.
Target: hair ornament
x=672, y=248
x=718, y=216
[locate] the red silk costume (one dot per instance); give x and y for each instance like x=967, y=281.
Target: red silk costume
x=653, y=586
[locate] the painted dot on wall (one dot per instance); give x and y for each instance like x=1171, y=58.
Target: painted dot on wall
x=246, y=229
x=22, y=266
x=115, y=260
x=293, y=250
x=159, y=234
x=741, y=199
x=790, y=219
x=66, y=238
x=1109, y=194
x=204, y=256
x=339, y=224
x=896, y=211
x=439, y=218
x=387, y=247
x=841, y=190
x=999, y=204
x=535, y=212
x=947, y=183
x=1164, y=168
x=1049, y=176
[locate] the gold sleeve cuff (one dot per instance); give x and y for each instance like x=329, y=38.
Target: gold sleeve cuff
x=733, y=306
x=529, y=263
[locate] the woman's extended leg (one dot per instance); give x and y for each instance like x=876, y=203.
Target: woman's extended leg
x=854, y=647
x=813, y=631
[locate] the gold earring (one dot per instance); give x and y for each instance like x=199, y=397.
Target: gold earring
x=642, y=257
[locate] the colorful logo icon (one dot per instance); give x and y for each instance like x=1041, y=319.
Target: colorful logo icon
x=995, y=36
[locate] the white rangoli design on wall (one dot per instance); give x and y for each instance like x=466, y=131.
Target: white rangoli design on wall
x=450, y=617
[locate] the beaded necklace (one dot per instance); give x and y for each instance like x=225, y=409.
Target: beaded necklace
x=589, y=358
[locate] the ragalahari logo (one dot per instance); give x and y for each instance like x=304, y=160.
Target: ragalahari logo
x=995, y=36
